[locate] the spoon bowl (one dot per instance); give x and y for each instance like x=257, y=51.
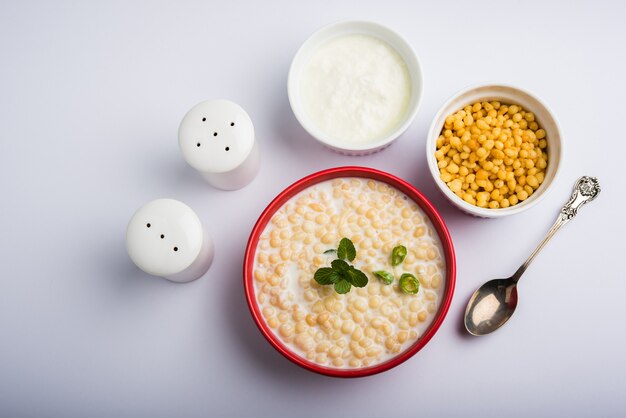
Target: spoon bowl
x=491, y=306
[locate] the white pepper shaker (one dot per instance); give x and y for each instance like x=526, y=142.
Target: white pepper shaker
x=166, y=238
x=216, y=138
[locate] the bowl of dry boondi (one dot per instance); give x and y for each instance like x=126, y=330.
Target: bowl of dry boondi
x=494, y=150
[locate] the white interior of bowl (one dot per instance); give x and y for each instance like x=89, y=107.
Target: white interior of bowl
x=505, y=94
x=336, y=30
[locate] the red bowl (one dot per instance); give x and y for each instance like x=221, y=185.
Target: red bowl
x=306, y=182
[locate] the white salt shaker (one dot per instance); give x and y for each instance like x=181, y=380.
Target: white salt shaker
x=216, y=138
x=165, y=238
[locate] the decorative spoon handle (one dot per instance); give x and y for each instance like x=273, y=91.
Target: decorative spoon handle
x=585, y=190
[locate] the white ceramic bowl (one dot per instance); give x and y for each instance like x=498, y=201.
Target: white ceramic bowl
x=336, y=30
x=510, y=95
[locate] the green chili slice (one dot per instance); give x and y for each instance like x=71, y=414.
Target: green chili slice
x=384, y=276
x=397, y=255
x=409, y=284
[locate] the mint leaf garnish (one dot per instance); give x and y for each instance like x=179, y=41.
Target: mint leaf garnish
x=357, y=277
x=346, y=250
x=326, y=275
x=340, y=265
x=342, y=286
x=384, y=276
x=341, y=274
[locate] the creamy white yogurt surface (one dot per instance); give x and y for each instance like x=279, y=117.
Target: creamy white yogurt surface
x=356, y=88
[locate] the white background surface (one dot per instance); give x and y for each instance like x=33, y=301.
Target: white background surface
x=91, y=95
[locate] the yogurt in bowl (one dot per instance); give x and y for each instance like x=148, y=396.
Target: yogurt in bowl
x=368, y=329
x=355, y=86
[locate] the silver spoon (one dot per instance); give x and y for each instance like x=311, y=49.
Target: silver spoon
x=494, y=302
